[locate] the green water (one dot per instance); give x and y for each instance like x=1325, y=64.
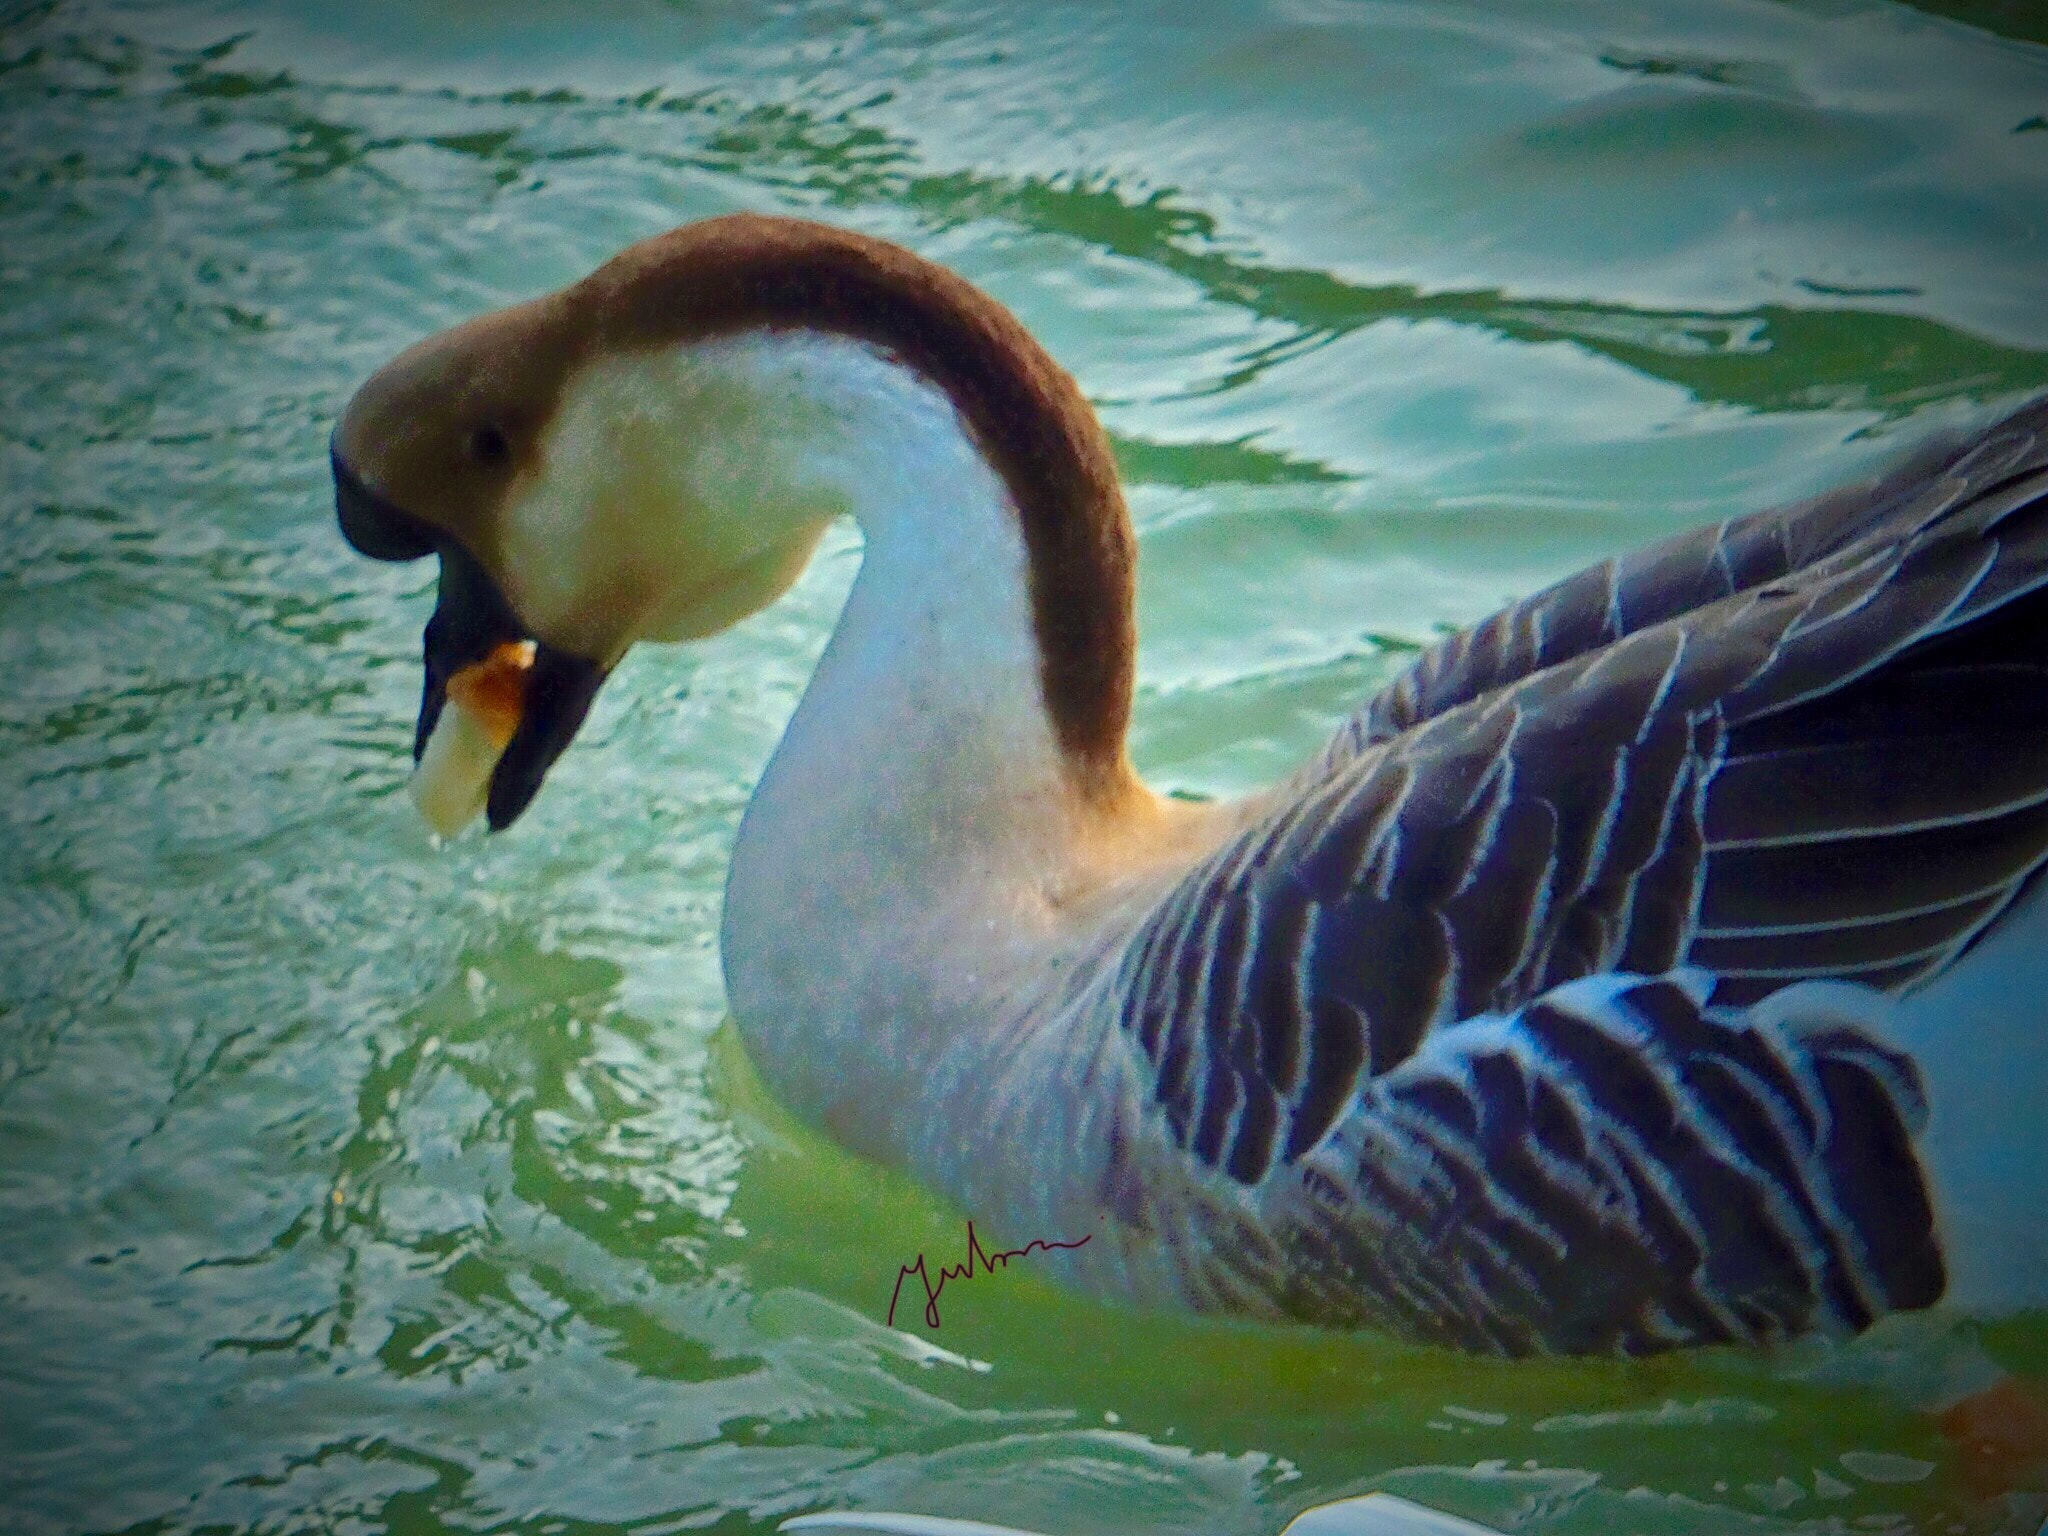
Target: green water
x=350, y=1184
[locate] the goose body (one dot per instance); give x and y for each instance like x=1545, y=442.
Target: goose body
x=1660, y=962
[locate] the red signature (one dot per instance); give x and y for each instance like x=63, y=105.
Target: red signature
x=989, y=1261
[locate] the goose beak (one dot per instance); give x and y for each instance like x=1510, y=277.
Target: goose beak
x=519, y=701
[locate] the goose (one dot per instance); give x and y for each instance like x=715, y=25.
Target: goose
x=1656, y=963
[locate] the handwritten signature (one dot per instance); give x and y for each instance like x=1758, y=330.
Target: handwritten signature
x=989, y=1261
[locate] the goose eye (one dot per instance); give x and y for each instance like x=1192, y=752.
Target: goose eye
x=488, y=446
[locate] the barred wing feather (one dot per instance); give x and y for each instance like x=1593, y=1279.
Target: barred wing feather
x=1805, y=744
x=1622, y=1167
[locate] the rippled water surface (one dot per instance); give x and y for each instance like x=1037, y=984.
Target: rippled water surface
x=352, y=1184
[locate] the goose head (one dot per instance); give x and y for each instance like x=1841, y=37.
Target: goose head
x=586, y=485
x=596, y=468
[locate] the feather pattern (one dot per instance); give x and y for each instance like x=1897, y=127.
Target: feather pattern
x=1471, y=1000
x=1621, y=1166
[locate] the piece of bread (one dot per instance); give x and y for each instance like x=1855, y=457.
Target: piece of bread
x=484, y=704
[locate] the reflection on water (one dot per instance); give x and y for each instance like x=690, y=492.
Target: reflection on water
x=352, y=1183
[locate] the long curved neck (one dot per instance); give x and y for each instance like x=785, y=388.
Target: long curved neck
x=746, y=274
x=922, y=811
x=924, y=736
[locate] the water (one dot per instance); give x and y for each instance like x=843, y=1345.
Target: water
x=350, y=1184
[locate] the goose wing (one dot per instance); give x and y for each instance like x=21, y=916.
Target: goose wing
x=1807, y=744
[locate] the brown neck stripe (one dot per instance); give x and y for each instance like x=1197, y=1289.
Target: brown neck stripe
x=748, y=271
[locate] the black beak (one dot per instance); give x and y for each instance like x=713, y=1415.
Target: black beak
x=472, y=619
